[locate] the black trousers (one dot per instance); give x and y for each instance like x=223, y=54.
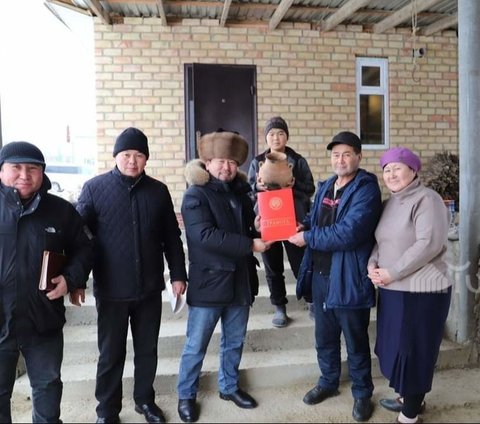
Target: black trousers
x=114, y=318
x=43, y=358
x=274, y=269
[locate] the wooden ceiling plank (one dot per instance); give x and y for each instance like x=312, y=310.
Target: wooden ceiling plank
x=402, y=15
x=161, y=11
x=343, y=13
x=279, y=13
x=99, y=10
x=440, y=25
x=69, y=6
x=226, y=8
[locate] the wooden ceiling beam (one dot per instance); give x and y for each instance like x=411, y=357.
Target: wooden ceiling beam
x=440, y=25
x=161, y=12
x=402, y=15
x=99, y=11
x=347, y=10
x=226, y=8
x=279, y=13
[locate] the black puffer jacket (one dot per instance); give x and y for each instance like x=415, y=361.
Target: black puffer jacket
x=134, y=224
x=218, y=220
x=47, y=222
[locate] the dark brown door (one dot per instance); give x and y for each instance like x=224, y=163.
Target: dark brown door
x=220, y=96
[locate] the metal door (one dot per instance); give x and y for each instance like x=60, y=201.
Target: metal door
x=220, y=96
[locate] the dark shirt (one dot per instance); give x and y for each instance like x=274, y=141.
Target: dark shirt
x=322, y=260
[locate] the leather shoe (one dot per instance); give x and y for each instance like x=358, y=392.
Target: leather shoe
x=318, y=394
x=362, y=409
x=187, y=410
x=241, y=399
x=396, y=405
x=104, y=420
x=152, y=413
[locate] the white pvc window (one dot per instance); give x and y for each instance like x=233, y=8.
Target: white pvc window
x=372, y=102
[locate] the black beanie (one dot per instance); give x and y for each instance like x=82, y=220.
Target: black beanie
x=21, y=152
x=276, y=122
x=131, y=139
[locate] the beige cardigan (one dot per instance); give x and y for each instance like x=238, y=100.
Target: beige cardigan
x=412, y=240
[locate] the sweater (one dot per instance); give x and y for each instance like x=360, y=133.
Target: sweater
x=411, y=239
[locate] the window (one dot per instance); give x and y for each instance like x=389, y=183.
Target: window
x=372, y=101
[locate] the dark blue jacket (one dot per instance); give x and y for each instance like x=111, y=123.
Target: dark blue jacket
x=350, y=240
x=218, y=220
x=47, y=222
x=134, y=225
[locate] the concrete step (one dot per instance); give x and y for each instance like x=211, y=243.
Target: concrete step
x=453, y=399
x=259, y=369
x=87, y=313
x=81, y=341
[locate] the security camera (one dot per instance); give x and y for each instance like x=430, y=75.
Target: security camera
x=420, y=52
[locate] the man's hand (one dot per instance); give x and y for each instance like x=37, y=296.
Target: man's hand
x=178, y=287
x=298, y=239
x=77, y=297
x=60, y=289
x=261, y=246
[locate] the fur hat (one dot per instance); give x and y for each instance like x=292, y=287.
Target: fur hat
x=276, y=122
x=21, y=152
x=402, y=155
x=131, y=139
x=223, y=145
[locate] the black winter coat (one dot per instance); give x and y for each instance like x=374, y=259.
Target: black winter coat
x=134, y=225
x=218, y=220
x=47, y=222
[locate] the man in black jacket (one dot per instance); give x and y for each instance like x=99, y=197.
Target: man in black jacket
x=31, y=320
x=132, y=218
x=219, y=225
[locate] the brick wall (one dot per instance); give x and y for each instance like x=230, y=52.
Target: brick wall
x=303, y=75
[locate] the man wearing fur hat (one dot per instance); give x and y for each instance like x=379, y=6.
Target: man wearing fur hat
x=31, y=320
x=219, y=225
x=132, y=218
x=276, y=135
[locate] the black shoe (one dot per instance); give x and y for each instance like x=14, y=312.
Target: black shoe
x=318, y=394
x=104, y=420
x=241, y=399
x=187, y=410
x=152, y=413
x=396, y=405
x=362, y=409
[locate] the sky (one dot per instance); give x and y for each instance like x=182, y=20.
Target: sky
x=47, y=79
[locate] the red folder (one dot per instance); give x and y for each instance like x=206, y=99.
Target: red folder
x=277, y=214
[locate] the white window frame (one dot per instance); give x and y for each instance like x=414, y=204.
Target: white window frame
x=382, y=90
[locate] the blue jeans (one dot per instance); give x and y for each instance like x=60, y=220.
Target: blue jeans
x=329, y=324
x=43, y=358
x=200, y=326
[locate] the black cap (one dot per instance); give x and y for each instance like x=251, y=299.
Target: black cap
x=131, y=139
x=346, y=137
x=21, y=152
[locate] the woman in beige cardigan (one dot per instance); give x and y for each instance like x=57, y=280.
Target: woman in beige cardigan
x=408, y=266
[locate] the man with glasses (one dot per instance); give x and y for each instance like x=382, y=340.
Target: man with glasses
x=339, y=236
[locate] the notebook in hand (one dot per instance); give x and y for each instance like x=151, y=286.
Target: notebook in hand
x=52, y=266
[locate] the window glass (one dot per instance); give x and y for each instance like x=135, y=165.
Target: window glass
x=372, y=102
